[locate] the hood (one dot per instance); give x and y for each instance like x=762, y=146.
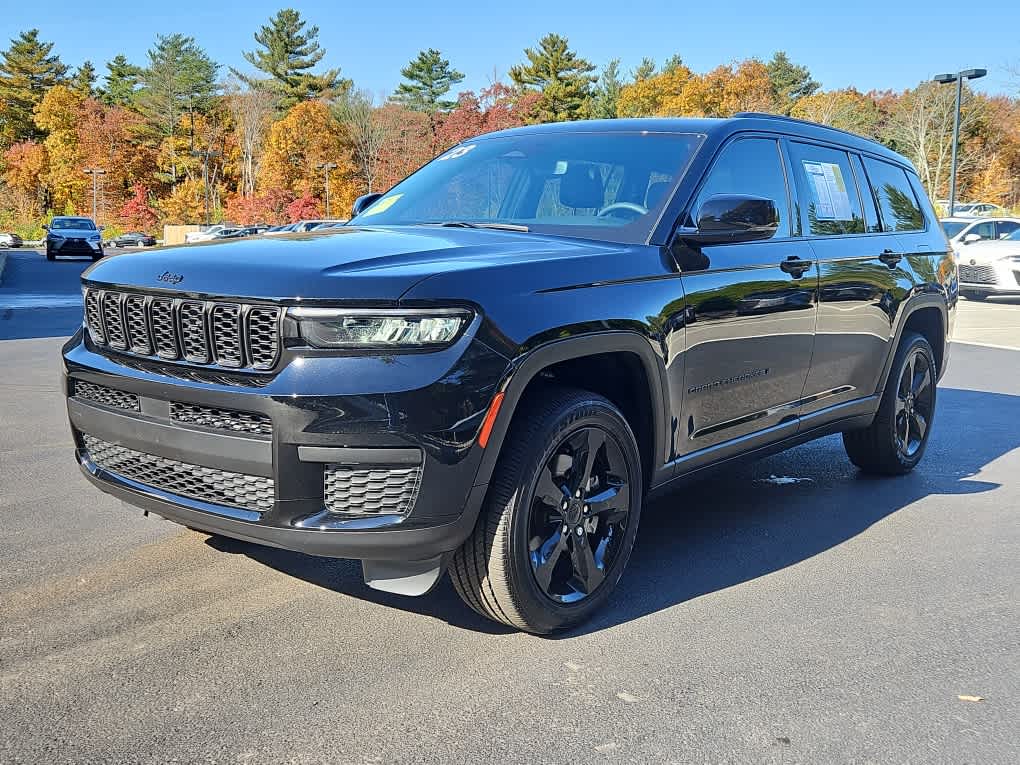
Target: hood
x=340, y=264
x=76, y=233
x=987, y=252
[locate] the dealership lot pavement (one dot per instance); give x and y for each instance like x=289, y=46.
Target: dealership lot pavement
x=832, y=618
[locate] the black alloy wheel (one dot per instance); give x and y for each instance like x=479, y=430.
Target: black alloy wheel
x=579, y=515
x=558, y=523
x=915, y=403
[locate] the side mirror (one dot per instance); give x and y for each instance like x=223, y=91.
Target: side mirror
x=734, y=218
x=46, y=227
x=101, y=228
x=363, y=202
x=971, y=238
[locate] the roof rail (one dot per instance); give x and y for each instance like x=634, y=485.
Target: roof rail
x=785, y=118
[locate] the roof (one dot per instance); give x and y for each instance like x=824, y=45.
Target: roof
x=714, y=127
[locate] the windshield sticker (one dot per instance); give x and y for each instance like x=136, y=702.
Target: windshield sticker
x=832, y=202
x=382, y=205
x=456, y=152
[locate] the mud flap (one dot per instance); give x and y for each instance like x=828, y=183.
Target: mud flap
x=404, y=577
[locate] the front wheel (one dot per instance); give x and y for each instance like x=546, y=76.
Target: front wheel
x=978, y=297
x=559, y=522
x=50, y=255
x=895, y=441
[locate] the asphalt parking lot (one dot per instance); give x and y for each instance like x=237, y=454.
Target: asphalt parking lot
x=832, y=618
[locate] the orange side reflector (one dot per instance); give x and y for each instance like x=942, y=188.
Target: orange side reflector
x=490, y=419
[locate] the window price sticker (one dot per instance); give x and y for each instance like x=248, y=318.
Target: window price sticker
x=832, y=201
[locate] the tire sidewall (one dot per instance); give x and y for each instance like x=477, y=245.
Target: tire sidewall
x=543, y=613
x=916, y=342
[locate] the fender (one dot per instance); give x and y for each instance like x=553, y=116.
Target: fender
x=526, y=367
x=911, y=306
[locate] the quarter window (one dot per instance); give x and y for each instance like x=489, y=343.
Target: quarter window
x=896, y=200
x=1004, y=228
x=754, y=167
x=827, y=189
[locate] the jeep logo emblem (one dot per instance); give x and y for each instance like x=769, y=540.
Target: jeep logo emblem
x=170, y=278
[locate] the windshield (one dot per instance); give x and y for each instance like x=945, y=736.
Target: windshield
x=72, y=223
x=600, y=185
x=952, y=228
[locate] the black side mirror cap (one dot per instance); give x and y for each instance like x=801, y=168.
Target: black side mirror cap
x=731, y=218
x=363, y=202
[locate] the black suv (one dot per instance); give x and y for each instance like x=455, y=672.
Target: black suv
x=495, y=363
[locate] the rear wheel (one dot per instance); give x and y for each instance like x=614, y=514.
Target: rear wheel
x=559, y=522
x=895, y=442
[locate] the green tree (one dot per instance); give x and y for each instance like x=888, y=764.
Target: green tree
x=645, y=70
x=673, y=64
x=84, y=79
x=289, y=54
x=790, y=82
x=429, y=78
x=607, y=91
x=27, y=70
x=562, y=79
x=180, y=77
x=122, y=81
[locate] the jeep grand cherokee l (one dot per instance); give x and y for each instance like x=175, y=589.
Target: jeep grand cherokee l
x=497, y=361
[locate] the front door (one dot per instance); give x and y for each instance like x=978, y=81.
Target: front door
x=750, y=318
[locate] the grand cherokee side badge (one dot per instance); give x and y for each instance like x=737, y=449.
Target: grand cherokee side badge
x=170, y=278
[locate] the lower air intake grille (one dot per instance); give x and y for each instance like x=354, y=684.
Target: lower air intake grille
x=220, y=419
x=978, y=274
x=100, y=394
x=370, y=491
x=218, y=487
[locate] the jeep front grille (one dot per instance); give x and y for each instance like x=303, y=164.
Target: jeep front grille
x=978, y=274
x=220, y=419
x=218, y=487
x=370, y=491
x=204, y=333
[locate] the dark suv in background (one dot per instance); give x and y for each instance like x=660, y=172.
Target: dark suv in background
x=495, y=363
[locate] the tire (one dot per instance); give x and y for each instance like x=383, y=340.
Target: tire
x=895, y=441
x=49, y=255
x=978, y=297
x=519, y=539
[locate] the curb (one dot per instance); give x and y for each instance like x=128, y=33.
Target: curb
x=3, y=262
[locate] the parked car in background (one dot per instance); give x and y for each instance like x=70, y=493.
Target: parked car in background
x=237, y=233
x=966, y=231
x=978, y=209
x=312, y=225
x=207, y=234
x=277, y=230
x=133, y=239
x=10, y=239
x=68, y=235
x=991, y=267
x=490, y=378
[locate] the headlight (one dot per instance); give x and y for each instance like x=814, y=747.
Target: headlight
x=95, y=237
x=370, y=328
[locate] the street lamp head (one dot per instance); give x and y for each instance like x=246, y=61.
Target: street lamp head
x=973, y=74
x=944, y=79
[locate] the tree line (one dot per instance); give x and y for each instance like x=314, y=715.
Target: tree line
x=178, y=132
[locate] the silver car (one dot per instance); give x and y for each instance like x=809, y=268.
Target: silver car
x=991, y=268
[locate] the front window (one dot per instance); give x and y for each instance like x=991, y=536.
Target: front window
x=609, y=186
x=59, y=224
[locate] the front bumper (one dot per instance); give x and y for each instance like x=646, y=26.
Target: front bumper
x=74, y=246
x=1000, y=277
x=415, y=418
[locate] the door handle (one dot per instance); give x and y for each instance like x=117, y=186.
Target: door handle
x=795, y=266
x=890, y=258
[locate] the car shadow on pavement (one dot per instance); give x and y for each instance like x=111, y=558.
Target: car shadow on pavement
x=720, y=532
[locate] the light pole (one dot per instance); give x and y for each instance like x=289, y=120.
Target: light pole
x=326, y=167
x=958, y=78
x=95, y=172
x=205, y=155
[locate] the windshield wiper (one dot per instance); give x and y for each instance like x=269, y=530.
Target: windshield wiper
x=497, y=226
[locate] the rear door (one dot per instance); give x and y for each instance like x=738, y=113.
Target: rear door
x=750, y=316
x=862, y=278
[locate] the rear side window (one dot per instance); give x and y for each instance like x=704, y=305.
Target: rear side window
x=1004, y=228
x=896, y=200
x=828, y=191
x=751, y=166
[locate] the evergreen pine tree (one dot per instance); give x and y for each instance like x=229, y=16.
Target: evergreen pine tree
x=122, y=81
x=562, y=79
x=790, y=82
x=607, y=91
x=429, y=78
x=84, y=79
x=27, y=70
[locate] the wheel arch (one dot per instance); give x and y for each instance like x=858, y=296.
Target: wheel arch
x=928, y=316
x=647, y=416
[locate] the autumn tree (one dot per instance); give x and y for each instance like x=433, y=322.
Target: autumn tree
x=356, y=115
x=497, y=107
x=562, y=79
x=26, y=165
x=429, y=77
x=122, y=80
x=407, y=143
x=288, y=55
x=180, y=77
x=607, y=91
x=252, y=112
x=136, y=213
x=847, y=109
x=28, y=69
x=644, y=70
x=790, y=82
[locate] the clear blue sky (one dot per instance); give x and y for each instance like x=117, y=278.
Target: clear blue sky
x=866, y=43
